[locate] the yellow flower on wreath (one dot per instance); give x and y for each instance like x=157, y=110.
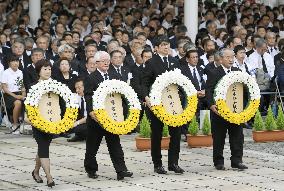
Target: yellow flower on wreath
x=221, y=92
x=116, y=86
x=46, y=126
x=163, y=81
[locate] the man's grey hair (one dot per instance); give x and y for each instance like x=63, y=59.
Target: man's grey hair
x=34, y=50
x=260, y=42
x=222, y=51
x=268, y=34
x=63, y=47
x=29, y=40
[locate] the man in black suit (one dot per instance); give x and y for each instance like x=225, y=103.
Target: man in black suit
x=89, y=68
x=213, y=65
x=158, y=64
x=29, y=74
x=195, y=73
x=95, y=130
x=220, y=125
x=117, y=66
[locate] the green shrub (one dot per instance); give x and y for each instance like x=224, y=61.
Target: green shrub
x=280, y=119
x=206, y=128
x=270, y=123
x=145, y=127
x=193, y=127
x=165, y=131
x=258, y=124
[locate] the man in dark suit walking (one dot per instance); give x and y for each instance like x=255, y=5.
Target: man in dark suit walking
x=220, y=125
x=158, y=64
x=95, y=130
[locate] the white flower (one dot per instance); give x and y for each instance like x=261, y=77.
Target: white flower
x=233, y=77
x=115, y=86
x=166, y=79
x=46, y=86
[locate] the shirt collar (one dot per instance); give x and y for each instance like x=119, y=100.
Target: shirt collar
x=102, y=73
x=226, y=69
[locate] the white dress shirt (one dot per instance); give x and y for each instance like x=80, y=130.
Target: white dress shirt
x=196, y=72
x=255, y=62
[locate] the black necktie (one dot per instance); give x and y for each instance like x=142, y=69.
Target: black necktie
x=271, y=49
x=82, y=109
x=228, y=71
x=106, y=76
x=196, y=79
x=263, y=65
x=166, y=61
x=118, y=70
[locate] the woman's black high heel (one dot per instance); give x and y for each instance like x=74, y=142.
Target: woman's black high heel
x=38, y=181
x=51, y=184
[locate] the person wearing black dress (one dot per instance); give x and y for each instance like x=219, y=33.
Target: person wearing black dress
x=43, y=69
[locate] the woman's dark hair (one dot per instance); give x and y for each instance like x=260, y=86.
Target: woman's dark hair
x=63, y=58
x=238, y=48
x=12, y=58
x=41, y=63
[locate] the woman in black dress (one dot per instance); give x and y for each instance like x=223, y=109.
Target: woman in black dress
x=43, y=69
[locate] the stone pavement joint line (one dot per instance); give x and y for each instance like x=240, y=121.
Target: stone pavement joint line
x=17, y=152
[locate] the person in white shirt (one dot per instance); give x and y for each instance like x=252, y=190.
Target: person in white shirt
x=272, y=49
x=207, y=46
x=261, y=59
x=239, y=60
x=14, y=91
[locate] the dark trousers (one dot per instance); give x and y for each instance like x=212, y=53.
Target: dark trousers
x=94, y=138
x=219, y=128
x=43, y=141
x=80, y=130
x=156, y=137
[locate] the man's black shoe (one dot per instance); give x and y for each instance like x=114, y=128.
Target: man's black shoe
x=176, y=169
x=160, y=170
x=93, y=175
x=240, y=166
x=220, y=167
x=122, y=174
x=75, y=139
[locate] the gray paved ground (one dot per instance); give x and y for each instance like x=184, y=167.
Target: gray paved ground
x=265, y=162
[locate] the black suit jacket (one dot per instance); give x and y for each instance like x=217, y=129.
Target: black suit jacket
x=128, y=61
x=92, y=83
x=153, y=68
x=124, y=72
x=209, y=67
x=213, y=78
x=136, y=81
x=29, y=76
x=186, y=71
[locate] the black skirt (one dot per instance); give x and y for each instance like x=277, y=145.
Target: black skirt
x=9, y=100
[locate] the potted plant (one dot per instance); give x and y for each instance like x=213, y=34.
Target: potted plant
x=271, y=130
x=143, y=140
x=199, y=140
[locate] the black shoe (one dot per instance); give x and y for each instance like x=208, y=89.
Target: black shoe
x=51, y=184
x=220, y=167
x=176, y=169
x=37, y=180
x=240, y=166
x=160, y=170
x=93, y=175
x=75, y=139
x=122, y=174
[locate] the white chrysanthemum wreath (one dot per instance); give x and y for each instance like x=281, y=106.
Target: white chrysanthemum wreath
x=116, y=86
x=32, y=101
x=161, y=82
x=221, y=93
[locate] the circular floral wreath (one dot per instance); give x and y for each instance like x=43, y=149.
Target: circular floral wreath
x=116, y=127
x=161, y=82
x=32, y=100
x=221, y=92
